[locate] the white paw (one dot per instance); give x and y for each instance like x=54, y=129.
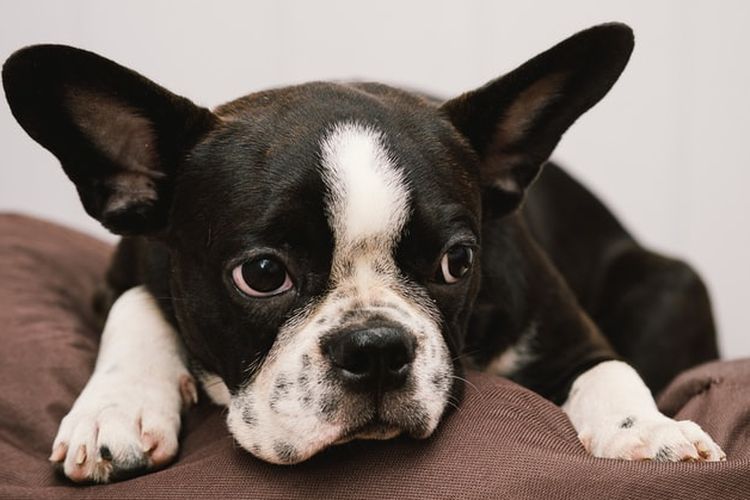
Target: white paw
x=655, y=437
x=116, y=431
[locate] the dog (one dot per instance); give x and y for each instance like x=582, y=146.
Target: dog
x=327, y=259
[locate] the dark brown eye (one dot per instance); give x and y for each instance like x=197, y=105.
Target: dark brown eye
x=455, y=263
x=262, y=277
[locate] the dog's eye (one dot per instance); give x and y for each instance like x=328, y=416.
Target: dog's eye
x=455, y=263
x=262, y=277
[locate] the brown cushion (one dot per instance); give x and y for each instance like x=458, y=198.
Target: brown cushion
x=503, y=442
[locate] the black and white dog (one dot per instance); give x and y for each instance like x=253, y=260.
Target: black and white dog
x=327, y=258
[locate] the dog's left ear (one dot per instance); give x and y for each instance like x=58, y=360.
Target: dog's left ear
x=516, y=121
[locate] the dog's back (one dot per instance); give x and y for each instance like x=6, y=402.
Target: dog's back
x=654, y=309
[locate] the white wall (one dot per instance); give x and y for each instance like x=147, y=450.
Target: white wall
x=666, y=148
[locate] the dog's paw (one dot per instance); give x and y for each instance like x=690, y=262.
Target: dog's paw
x=655, y=437
x=120, y=432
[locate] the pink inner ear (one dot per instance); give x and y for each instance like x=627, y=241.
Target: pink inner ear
x=513, y=127
x=527, y=106
x=123, y=135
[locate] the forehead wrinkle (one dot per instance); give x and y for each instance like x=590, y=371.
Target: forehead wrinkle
x=368, y=196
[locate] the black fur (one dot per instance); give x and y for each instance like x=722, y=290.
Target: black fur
x=627, y=423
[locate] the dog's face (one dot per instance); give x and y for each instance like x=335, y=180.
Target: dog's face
x=325, y=253
x=325, y=238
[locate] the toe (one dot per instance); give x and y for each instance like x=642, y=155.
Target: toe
x=159, y=447
x=118, y=433
x=81, y=453
x=158, y=438
x=705, y=447
x=668, y=444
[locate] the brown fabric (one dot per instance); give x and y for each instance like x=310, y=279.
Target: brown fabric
x=503, y=442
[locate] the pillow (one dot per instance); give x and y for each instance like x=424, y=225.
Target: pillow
x=502, y=442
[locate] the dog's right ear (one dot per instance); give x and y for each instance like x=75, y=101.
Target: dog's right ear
x=118, y=136
x=515, y=121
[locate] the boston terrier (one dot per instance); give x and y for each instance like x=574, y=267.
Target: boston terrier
x=327, y=259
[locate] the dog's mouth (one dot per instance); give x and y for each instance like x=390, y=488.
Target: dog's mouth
x=381, y=420
x=296, y=440
x=375, y=430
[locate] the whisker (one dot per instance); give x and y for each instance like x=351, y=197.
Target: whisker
x=213, y=383
x=453, y=401
x=466, y=382
x=465, y=355
x=253, y=366
x=453, y=405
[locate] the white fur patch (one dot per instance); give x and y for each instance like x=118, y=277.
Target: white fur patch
x=369, y=197
x=130, y=407
x=616, y=417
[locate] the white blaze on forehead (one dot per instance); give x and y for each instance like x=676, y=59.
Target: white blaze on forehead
x=368, y=194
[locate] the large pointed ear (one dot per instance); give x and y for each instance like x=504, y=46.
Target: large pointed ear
x=516, y=121
x=119, y=137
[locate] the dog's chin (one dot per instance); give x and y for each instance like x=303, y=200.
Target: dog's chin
x=292, y=448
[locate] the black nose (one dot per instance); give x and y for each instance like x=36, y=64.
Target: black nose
x=373, y=359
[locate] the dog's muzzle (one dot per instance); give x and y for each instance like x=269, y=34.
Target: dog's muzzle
x=365, y=373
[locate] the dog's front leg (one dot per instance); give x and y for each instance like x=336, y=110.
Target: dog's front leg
x=127, y=418
x=616, y=417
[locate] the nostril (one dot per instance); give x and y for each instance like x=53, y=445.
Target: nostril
x=348, y=354
x=396, y=365
x=400, y=356
x=357, y=363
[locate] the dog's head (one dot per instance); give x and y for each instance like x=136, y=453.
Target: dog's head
x=325, y=238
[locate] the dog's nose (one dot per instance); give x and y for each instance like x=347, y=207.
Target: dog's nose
x=373, y=359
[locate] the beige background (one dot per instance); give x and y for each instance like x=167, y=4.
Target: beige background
x=666, y=149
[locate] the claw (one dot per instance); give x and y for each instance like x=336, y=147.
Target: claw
x=81, y=455
x=58, y=452
x=148, y=443
x=188, y=391
x=705, y=453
